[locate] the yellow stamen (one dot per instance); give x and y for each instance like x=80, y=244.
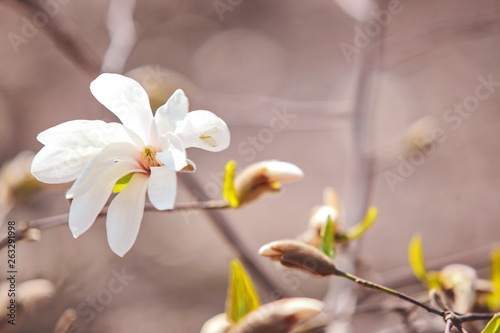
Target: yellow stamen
x=207, y=137
x=148, y=157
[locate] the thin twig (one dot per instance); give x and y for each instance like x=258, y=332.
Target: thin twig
x=449, y=326
x=57, y=220
x=392, y=292
x=455, y=318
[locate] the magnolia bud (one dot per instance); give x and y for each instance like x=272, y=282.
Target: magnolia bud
x=264, y=177
x=66, y=323
x=319, y=218
x=217, y=324
x=280, y=316
x=298, y=255
x=28, y=295
x=460, y=281
x=418, y=136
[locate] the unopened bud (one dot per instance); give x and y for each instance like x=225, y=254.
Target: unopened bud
x=28, y=295
x=418, y=136
x=460, y=280
x=217, y=324
x=280, y=316
x=33, y=235
x=66, y=323
x=319, y=218
x=16, y=181
x=264, y=177
x=32, y=292
x=298, y=255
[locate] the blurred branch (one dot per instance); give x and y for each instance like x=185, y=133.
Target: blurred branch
x=122, y=33
x=57, y=220
x=341, y=296
x=238, y=243
x=428, y=37
x=64, y=35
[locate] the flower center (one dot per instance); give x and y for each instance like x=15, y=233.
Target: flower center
x=148, y=157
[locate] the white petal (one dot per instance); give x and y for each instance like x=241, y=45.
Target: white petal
x=173, y=154
x=127, y=99
x=125, y=215
x=203, y=129
x=169, y=115
x=71, y=145
x=86, y=206
x=162, y=187
x=281, y=171
x=55, y=165
x=105, y=160
x=84, y=133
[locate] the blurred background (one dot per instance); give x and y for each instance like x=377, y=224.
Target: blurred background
x=254, y=63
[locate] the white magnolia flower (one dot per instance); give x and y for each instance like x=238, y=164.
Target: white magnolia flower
x=98, y=154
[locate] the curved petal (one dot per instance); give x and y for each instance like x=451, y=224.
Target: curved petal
x=84, y=133
x=86, y=206
x=105, y=160
x=125, y=215
x=162, y=187
x=55, y=165
x=127, y=99
x=173, y=154
x=169, y=115
x=203, y=129
x=70, y=146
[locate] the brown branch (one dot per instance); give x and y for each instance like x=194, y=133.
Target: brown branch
x=57, y=220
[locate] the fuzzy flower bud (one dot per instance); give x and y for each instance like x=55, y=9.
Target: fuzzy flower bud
x=460, y=280
x=280, y=316
x=298, y=255
x=217, y=324
x=264, y=177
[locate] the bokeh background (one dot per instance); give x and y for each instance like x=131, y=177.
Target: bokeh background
x=251, y=62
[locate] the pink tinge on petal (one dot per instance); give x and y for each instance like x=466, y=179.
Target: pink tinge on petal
x=125, y=215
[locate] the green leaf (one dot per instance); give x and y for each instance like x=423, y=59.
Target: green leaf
x=493, y=299
x=121, y=183
x=242, y=296
x=359, y=229
x=416, y=259
x=327, y=244
x=228, y=190
x=493, y=325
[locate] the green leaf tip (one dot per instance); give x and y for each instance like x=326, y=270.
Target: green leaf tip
x=359, y=229
x=327, y=244
x=493, y=325
x=493, y=299
x=121, y=183
x=242, y=297
x=228, y=189
x=416, y=259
